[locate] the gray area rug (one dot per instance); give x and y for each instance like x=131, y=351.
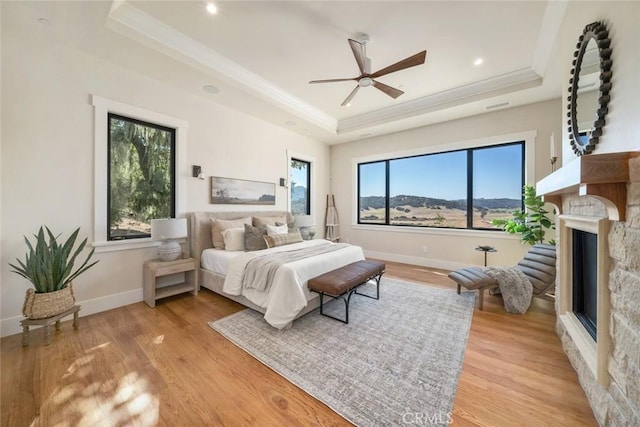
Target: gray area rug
x=397, y=361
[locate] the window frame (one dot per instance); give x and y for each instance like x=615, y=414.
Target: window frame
x=172, y=163
x=102, y=107
x=309, y=186
x=291, y=155
x=526, y=137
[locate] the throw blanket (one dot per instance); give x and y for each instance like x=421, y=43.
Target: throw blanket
x=515, y=287
x=260, y=270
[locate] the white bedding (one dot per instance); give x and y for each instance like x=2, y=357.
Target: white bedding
x=288, y=293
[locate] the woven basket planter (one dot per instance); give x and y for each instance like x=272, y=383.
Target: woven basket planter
x=49, y=304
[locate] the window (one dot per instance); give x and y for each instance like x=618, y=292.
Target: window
x=372, y=184
x=300, y=180
x=104, y=108
x=456, y=189
x=141, y=176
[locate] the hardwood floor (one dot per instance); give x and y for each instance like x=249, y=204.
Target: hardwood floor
x=165, y=366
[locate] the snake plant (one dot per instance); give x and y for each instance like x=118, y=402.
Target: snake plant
x=49, y=265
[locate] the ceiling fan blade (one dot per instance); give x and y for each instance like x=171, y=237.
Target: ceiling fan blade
x=350, y=97
x=358, y=52
x=331, y=80
x=391, y=91
x=409, y=62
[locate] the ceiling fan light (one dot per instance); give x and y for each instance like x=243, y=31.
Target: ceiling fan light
x=365, y=81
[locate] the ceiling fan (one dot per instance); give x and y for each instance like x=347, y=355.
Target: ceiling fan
x=366, y=77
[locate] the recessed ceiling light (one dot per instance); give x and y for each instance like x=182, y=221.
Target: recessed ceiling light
x=366, y=135
x=210, y=89
x=212, y=8
x=478, y=61
x=348, y=104
x=290, y=123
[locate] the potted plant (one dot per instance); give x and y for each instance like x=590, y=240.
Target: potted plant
x=532, y=222
x=49, y=267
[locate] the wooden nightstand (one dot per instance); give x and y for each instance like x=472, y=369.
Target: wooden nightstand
x=156, y=268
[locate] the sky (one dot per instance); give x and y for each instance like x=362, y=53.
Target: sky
x=497, y=174
x=299, y=176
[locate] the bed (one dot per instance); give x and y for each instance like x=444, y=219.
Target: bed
x=287, y=296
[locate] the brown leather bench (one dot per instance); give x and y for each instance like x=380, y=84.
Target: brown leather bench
x=345, y=281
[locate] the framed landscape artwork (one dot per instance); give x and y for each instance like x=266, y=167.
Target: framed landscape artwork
x=230, y=191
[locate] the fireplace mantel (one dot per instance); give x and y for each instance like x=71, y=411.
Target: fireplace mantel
x=604, y=176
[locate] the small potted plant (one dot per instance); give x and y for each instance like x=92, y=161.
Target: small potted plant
x=49, y=267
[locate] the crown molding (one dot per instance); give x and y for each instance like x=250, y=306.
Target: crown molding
x=133, y=23
x=549, y=30
x=508, y=82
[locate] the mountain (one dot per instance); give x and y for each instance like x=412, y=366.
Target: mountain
x=378, y=202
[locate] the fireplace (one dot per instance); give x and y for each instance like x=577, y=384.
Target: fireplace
x=585, y=280
x=590, y=194
x=597, y=198
x=583, y=300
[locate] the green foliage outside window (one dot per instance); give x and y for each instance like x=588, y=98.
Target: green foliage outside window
x=532, y=222
x=141, y=176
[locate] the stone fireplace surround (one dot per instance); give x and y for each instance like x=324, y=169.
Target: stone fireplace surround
x=605, y=189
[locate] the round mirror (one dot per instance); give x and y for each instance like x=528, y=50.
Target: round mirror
x=589, y=88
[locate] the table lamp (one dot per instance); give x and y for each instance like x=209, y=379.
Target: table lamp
x=306, y=226
x=168, y=230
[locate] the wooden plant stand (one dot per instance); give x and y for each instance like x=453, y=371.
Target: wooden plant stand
x=47, y=322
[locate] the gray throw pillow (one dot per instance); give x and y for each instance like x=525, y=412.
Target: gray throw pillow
x=254, y=237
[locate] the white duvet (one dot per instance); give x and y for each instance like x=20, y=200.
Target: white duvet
x=288, y=293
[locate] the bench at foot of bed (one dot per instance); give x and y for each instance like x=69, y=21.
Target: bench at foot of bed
x=344, y=282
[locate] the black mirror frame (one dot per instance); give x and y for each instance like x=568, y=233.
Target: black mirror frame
x=598, y=32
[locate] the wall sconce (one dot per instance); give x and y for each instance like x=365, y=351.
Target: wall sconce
x=196, y=172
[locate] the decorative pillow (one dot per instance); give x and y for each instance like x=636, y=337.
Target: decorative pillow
x=233, y=239
x=268, y=220
x=254, y=237
x=277, y=229
x=291, y=226
x=219, y=225
x=282, y=239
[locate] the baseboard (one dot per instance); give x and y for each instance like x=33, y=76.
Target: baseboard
x=407, y=259
x=11, y=325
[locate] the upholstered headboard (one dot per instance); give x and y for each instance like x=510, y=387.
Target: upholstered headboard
x=200, y=226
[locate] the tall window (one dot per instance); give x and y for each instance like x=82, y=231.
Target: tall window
x=455, y=189
x=300, y=187
x=141, y=176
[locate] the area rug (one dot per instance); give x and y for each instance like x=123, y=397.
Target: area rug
x=396, y=362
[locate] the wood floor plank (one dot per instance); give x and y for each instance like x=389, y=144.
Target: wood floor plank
x=141, y=366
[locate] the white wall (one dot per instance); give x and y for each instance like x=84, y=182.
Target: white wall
x=445, y=249
x=47, y=158
x=621, y=17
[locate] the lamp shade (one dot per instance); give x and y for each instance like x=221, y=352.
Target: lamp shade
x=167, y=229
x=303, y=220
